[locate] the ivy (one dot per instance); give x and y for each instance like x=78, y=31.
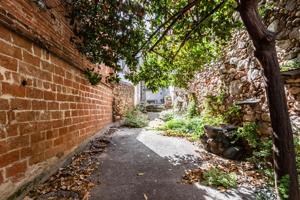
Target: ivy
x=93, y=77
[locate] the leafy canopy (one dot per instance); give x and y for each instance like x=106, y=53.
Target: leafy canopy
x=172, y=38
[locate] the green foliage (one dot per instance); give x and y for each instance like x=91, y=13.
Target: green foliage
x=233, y=114
x=283, y=187
x=93, y=77
x=248, y=132
x=110, y=31
x=177, y=56
x=266, y=8
x=212, y=104
x=107, y=31
x=192, y=110
x=192, y=126
x=135, y=119
x=215, y=177
x=290, y=65
x=166, y=115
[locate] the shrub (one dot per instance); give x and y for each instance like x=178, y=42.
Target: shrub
x=166, y=115
x=216, y=177
x=249, y=133
x=176, y=125
x=192, y=110
x=192, y=126
x=135, y=119
x=233, y=114
x=283, y=187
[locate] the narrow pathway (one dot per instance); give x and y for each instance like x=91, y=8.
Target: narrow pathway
x=141, y=164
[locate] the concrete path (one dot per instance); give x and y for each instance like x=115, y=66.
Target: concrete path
x=143, y=165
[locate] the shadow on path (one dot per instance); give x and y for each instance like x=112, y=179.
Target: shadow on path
x=143, y=165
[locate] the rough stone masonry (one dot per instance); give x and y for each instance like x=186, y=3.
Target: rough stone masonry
x=239, y=75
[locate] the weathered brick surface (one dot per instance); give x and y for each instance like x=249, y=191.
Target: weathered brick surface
x=123, y=99
x=47, y=106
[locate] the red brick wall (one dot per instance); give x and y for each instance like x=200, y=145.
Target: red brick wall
x=47, y=107
x=123, y=99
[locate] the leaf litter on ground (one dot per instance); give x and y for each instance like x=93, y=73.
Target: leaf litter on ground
x=73, y=181
x=247, y=175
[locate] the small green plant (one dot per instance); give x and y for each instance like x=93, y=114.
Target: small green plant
x=249, y=133
x=233, y=114
x=212, y=103
x=135, y=119
x=216, y=177
x=93, y=77
x=290, y=66
x=166, y=115
x=283, y=187
x=266, y=8
x=192, y=110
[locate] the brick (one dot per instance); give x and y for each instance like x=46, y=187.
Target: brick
x=46, y=85
x=39, y=105
x=8, y=63
x=20, y=104
x=58, y=80
x=49, y=95
x=9, y=158
x=44, y=115
x=57, y=123
x=59, y=71
x=62, y=106
x=56, y=114
x=36, y=158
x=4, y=105
x=37, y=51
x=53, y=106
x=63, y=131
x=25, y=116
x=34, y=93
x=18, y=142
x=3, y=147
x=26, y=152
x=16, y=168
x=5, y=33
x=14, y=90
x=22, y=42
x=47, y=66
x=1, y=177
x=58, y=141
x=51, y=134
x=10, y=50
x=3, y=117
x=27, y=128
x=30, y=59
x=12, y=130
x=37, y=137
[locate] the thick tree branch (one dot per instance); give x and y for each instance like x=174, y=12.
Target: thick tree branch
x=265, y=52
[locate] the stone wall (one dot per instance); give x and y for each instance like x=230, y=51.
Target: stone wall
x=123, y=99
x=47, y=106
x=239, y=75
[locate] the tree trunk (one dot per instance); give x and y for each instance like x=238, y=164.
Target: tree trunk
x=265, y=52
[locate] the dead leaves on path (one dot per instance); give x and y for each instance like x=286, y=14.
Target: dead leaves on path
x=74, y=180
x=246, y=172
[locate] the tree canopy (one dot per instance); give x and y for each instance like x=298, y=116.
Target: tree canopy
x=172, y=38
